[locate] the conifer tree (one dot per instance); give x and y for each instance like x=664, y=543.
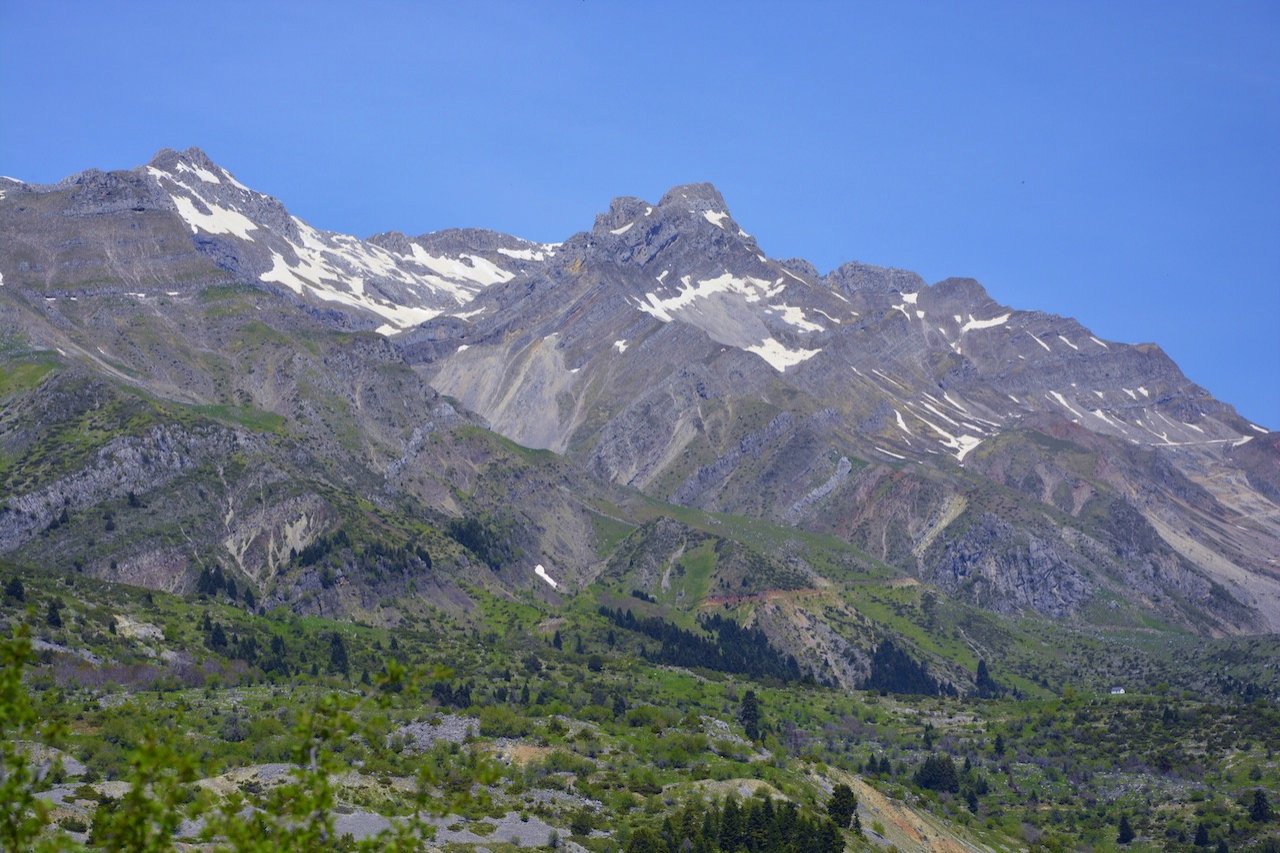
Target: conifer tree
x=842, y=806
x=1125, y=835
x=1260, y=811
x=337, y=654
x=750, y=715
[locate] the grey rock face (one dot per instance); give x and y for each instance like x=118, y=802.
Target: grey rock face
x=966, y=441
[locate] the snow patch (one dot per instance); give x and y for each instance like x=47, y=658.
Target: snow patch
x=282, y=273
x=910, y=298
x=1062, y=401
x=889, y=453
x=983, y=324
x=778, y=356
x=466, y=267
x=1098, y=342
x=1143, y=391
x=623, y=230
x=715, y=217
x=750, y=289
x=967, y=444
x=1101, y=415
x=1068, y=343
x=620, y=346
x=219, y=220
x=201, y=173
x=902, y=424
x=795, y=317
x=947, y=396
x=542, y=573
x=231, y=178
x=1040, y=342
x=1259, y=429
x=522, y=254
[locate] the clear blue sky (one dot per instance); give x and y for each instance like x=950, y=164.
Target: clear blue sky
x=1117, y=162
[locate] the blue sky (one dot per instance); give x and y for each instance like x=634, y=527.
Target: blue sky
x=1116, y=162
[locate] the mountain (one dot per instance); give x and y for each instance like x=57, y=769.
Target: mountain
x=414, y=408
x=1011, y=457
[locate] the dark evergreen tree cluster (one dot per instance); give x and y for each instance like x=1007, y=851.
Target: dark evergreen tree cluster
x=322, y=547
x=895, y=671
x=938, y=773
x=211, y=581
x=452, y=695
x=485, y=537
x=732, y=648
x=376, y=557
x=757, y=826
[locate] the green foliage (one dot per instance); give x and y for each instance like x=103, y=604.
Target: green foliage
x=1260, y=808
x=147, y=817
x=1125, y=833
x=486, y=536
x=642, y=740
x=22, y=815
x=15, y=590
x=842, y=806
x=749, y=715
x=895, y=671
x=938, y=773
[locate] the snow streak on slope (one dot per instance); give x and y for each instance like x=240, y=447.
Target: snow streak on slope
x=744, y=329
x=402, y=290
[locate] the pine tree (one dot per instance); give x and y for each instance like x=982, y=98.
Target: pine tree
x=1125, y=835
x=731, y=834
x=1260, y=811
x=750, y=715
x=53, y=617
x=1202, y=835
x=557, y=641
x=14, y=589
x=842, y=806
x=337, y=654
x=938, y=773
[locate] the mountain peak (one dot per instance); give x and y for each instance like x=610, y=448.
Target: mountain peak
x=167, y=157
x=698, y=198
